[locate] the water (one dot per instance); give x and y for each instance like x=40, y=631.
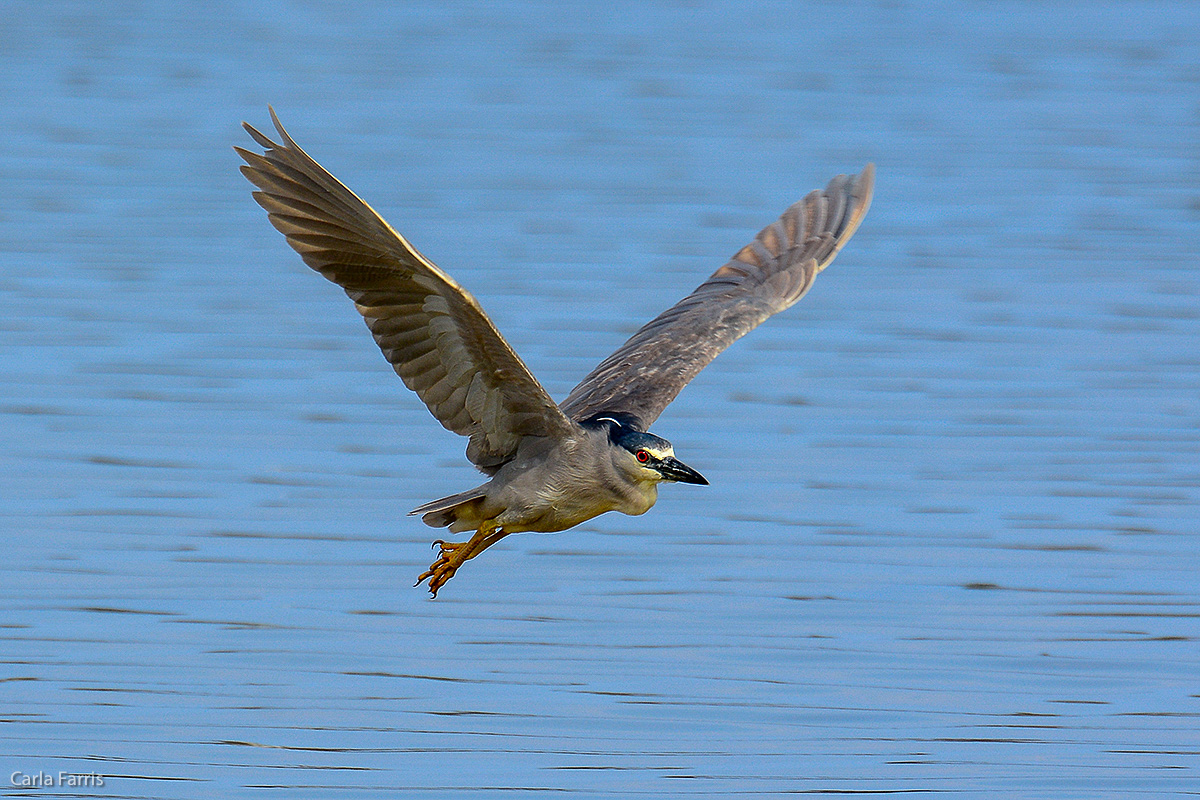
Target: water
x=950, y=543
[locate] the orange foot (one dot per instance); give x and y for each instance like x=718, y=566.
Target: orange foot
x=451, y=555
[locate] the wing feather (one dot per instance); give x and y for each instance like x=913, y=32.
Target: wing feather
x=766, y=276
x=434, y=334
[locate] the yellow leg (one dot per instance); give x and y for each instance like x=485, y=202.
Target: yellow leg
x=452, y=555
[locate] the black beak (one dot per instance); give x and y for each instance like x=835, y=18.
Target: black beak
x=675, y=470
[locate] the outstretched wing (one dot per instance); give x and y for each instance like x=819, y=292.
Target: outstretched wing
x=430, y=329
x=767, y=276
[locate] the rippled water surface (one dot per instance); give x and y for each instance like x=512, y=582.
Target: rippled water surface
x=950, y=545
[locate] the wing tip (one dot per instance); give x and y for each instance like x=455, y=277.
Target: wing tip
x=864, y=185
x=283, y=134
x=856, y=193
x=265, y=141
x=863, y=192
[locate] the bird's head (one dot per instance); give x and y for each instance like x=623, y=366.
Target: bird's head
x=652, y=456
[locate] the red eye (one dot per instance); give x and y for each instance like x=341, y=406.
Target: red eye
x=642, y=456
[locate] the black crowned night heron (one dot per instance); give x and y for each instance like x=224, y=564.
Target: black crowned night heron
x=552, y=465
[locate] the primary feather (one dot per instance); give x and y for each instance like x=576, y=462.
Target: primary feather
x=766, y=276
x=431, y=330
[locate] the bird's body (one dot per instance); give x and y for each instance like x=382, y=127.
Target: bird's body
x=552, y=466
x=552, y=485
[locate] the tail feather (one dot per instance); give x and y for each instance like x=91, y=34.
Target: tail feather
x=446, y=511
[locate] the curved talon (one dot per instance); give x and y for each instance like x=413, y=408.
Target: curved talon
x=453, y=555
x=444, y=567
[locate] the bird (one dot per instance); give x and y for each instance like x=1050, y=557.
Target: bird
x=550, y=466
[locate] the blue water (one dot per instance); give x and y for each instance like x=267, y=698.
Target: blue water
x=950, y=543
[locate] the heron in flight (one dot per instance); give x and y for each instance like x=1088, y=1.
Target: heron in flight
x=551, y=465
